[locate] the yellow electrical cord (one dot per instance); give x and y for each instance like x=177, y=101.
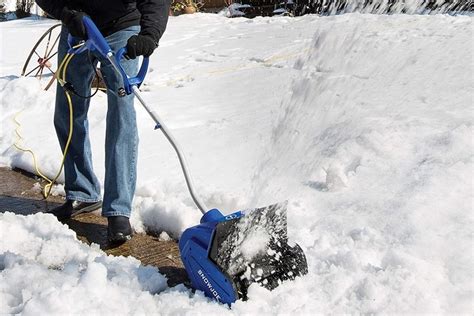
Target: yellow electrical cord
x=18, y=147
x=62, y=81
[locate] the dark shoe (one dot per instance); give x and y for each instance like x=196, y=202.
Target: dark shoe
x=72, y=208
x=119, y=229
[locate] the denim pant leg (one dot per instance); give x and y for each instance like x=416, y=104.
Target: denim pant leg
x=121, y=143
x=81, y=184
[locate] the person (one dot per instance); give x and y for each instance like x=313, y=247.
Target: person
x=137, y=25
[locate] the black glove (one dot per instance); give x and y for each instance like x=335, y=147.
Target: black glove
x=138, y=45
x=73, y=21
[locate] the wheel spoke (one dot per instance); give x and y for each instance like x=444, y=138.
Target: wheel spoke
x=52, y=46
x=37, y=54
x=32, y=70
x=45, y=54
x=39, y=70
x=47, y=44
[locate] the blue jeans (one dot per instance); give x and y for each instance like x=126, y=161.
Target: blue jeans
x=121, y=141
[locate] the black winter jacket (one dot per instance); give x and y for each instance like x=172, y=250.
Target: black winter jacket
x=114, y=15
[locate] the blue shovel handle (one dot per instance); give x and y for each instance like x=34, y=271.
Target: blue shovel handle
x=96, y=42
x=131, y=81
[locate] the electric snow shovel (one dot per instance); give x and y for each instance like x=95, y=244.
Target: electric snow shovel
x=222, y=255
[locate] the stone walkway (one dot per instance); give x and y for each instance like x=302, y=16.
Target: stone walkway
x=18, y=195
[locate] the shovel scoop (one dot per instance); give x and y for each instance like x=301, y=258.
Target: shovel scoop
x=224, y=255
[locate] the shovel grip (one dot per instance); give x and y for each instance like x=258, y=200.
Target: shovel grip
x=137, y=80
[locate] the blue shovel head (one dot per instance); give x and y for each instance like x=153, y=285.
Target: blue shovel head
x=224, y=255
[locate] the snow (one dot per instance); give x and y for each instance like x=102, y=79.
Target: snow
x=256, y=242
x=9, y=5
x=363, y=122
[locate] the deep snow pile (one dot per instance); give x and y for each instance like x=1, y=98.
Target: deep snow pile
x=380, y=163
x=364, y=122
x=46, y=270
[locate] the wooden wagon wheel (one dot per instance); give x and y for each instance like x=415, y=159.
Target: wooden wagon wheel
x=42, y=55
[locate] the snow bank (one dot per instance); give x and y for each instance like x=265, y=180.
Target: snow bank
x=46, y=270
x=374, y=145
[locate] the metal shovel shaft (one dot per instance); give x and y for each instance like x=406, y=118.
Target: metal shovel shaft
x=182, y=160
x=159, y=124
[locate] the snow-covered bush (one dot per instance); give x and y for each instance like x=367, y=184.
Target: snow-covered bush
x=23, y=8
